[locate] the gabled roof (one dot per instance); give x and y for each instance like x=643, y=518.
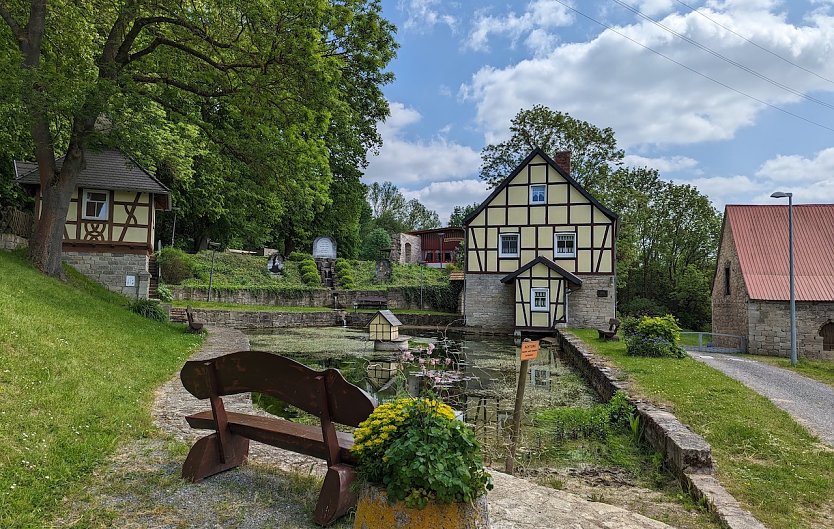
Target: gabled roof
x=389, y=317
x=538, y=152
x=548, y=263
x=106, y=169
x=760, y=234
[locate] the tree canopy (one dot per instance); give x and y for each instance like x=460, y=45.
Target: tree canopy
x=247, y=107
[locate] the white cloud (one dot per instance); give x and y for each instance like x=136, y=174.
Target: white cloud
x=610, y=81
x=539, y=17
x=723, y=190
x=442, y=197
x=664, y=165
x=408, y=163
x=423, y=15
x=795, y=169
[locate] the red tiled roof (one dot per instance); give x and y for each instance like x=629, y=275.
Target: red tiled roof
x=760, y=234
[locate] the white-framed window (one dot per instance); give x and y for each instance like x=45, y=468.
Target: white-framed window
x=538, y=194
x=508, y=245
x=564, y=245
x=540, y=299
x=95, y=204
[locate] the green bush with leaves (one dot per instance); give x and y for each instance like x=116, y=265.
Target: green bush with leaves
x=566, y=423
x=175, y=265
x=654, y=336
x=345, y=274
x=299, y=256
x=311, y=279
x=148, y=308
x=166, y=295
x=420, y=453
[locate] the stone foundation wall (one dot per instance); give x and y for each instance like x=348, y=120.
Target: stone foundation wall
x=586, y=308
x=112, y=269
x=769, y=332
x=10, y=241
x=488, y=302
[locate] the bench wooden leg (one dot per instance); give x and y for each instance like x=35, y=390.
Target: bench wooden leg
x=204, y=458
x=336, y=496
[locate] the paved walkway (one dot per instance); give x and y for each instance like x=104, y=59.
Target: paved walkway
x=810, y=402
x=513, y=503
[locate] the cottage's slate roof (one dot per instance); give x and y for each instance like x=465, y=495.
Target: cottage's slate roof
x=107, y=169
x=390, y=318
x=548, y=263
x=760, y=234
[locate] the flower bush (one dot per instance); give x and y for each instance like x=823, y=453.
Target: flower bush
x=653, y=336
x=419, y=451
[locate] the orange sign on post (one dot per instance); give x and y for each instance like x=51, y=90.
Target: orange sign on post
x=529, y=350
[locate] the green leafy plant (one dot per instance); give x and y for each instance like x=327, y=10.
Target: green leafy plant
x=298, y=256
x=175, y=265
x=165, y=293
x=657, y=336
x=420, y=452
x=148, y=308
x=586, y=423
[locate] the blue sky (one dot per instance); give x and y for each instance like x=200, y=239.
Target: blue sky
x=464, y=69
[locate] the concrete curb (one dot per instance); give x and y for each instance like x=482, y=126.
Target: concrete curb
x=689, y=455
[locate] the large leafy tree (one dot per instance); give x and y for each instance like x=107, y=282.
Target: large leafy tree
x=459, y=214
x=266, y=84
x=593, y=151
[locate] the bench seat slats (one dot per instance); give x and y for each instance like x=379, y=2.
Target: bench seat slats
x=301, y=438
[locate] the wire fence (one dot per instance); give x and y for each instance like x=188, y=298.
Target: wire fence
x=710, y=342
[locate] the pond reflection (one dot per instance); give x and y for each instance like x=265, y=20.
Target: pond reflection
x=477, y=375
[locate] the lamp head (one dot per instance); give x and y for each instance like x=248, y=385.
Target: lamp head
x=780, y=194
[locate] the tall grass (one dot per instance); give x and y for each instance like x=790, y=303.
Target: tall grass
x=770, y=463
x=77, y=373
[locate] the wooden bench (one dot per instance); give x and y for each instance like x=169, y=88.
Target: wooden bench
x=370, y=302
x=611, y=332
x=193, y=326
x=325, y=394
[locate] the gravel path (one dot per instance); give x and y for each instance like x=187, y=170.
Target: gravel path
x=810, y=402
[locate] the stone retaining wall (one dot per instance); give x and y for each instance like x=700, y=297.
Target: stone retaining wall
x=688, y=454
x=112, y=270
x=9, y=241
x=308, y=298
x=271, y=320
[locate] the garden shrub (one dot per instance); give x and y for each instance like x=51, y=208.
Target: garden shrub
x=148, y=308
x=299, y=256
x=419, y=451
x=165, y=293
x=311, y=279
x=344, y=273
x=657, y=336
x=566, y=423
x=175, y=265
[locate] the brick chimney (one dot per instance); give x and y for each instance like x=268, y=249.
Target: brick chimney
x=562, y=159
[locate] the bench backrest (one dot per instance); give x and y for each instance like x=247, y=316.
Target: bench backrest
x=189, y=314
x=282, y=378
x=613, y=324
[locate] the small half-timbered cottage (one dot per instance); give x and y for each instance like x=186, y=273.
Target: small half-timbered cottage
x=384, y=326
x=109, y=232
x=540, y=251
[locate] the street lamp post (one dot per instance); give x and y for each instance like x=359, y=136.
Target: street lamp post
x=442, y=254
x=214, y=246
x=789, y=196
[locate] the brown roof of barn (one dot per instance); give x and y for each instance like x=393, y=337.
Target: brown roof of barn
x=760, y=234
x=107, y=169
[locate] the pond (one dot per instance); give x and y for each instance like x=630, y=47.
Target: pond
x=478, y=380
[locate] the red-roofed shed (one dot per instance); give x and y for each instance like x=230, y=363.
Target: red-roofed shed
x=751, y=287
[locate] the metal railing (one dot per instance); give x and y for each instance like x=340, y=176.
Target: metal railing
x=713, y=342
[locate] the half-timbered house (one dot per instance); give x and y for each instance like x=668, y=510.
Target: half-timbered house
x=109, y=231
x=540, y=251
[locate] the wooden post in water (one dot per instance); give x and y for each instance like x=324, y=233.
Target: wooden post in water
x=529, y=351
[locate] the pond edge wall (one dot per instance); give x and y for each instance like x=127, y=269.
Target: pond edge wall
x=688, y=454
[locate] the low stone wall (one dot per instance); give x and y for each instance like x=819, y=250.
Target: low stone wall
x=769, y=328
x=309, y=298
x=271, y=320
x=10, y=241
x=112, y=270
x=688, y=454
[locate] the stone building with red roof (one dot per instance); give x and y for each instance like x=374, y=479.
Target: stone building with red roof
x=751, y=289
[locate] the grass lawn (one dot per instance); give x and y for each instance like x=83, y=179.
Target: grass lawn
x=771, y=464
x=273, y=308
x=822, y=370
x=76, y=380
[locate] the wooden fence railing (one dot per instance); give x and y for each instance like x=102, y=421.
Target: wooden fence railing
x=16, y=222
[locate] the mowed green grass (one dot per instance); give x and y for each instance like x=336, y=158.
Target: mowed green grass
x=771, y=464
x=77, y=374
